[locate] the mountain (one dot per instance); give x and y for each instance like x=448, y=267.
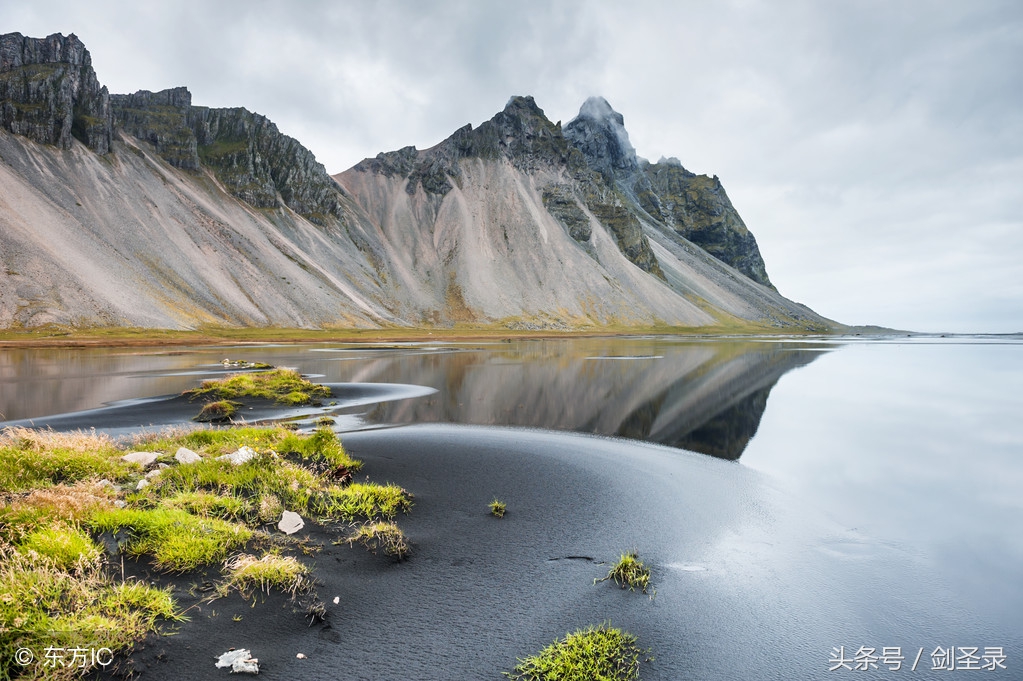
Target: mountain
x=520, y=218
x=146, y=210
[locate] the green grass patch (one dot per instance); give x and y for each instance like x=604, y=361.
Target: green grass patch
x=599, y=653
x=213, y=441
x=65, y=546
x=32, y=459
x=364, y=500
x=380, y=536
x=629, y=572
x=322, y=449
x=271, y=571
x=209, y=505
x=217, y=412
x=284, y=386
x=42, y=605
x=56, y=582
x=265, y=474
x=498, y=508
x=177, y=540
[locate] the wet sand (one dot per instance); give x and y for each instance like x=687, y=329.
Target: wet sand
x=742, y=587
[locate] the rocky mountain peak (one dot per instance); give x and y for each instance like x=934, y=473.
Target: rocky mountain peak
x=50, y=93
x=599, y=133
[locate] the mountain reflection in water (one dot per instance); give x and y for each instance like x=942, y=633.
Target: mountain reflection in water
x=702, y=395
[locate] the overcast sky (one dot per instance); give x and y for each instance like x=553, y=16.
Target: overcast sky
x=875, y=148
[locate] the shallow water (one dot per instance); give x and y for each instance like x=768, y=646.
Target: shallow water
x=705, y=396
x=872, y=498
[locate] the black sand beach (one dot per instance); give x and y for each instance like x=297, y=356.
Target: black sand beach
x=738, y=583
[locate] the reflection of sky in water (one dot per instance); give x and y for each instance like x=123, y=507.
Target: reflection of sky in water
x=920, y=445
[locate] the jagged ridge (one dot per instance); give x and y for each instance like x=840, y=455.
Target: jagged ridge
x=50, y=92
x=245, y=151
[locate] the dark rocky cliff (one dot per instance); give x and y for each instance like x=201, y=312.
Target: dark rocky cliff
x=50, y=93
x=697, y=208
x=693, y=206
x=523, y=135
x=245, y=151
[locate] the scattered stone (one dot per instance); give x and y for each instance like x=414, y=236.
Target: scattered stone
x=143, y=483
x=239, y=457
x=337, y=599
x=120, y=503
x=185, y=455
x=153, y=473
x=240, y=661
x=301, y=656
x=290, y=523
x=106, y=483
x=144, y=459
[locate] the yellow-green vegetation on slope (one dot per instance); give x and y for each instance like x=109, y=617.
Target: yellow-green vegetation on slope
x=600, y=653
x=509, y=328
x=66, y=500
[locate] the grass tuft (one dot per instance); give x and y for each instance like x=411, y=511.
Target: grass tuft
x=220, y=411
x=272, y=571
x=381, y=536
x=629, y=572
x=208, y=505
x=178, y=540
x=65, y=546
x=366, y=500
x=498, y=508
x=599, y=653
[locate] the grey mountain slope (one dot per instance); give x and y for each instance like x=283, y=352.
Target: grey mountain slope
x=520, y=219
x=125, y=239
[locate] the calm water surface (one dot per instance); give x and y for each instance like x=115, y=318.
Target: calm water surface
x=908, y=451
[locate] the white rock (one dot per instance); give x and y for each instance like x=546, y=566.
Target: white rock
x=106, y=483
x=239, y=661
x=152, y=474
x=239, y=457
x=249, y=666
x=290, y=522
x=144, y=459
x=337, y=599
x=143, y=483
x=185, y=455
x=119, y=504
x=301, y=656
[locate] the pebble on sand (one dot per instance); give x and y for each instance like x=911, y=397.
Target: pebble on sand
x=290, y=523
